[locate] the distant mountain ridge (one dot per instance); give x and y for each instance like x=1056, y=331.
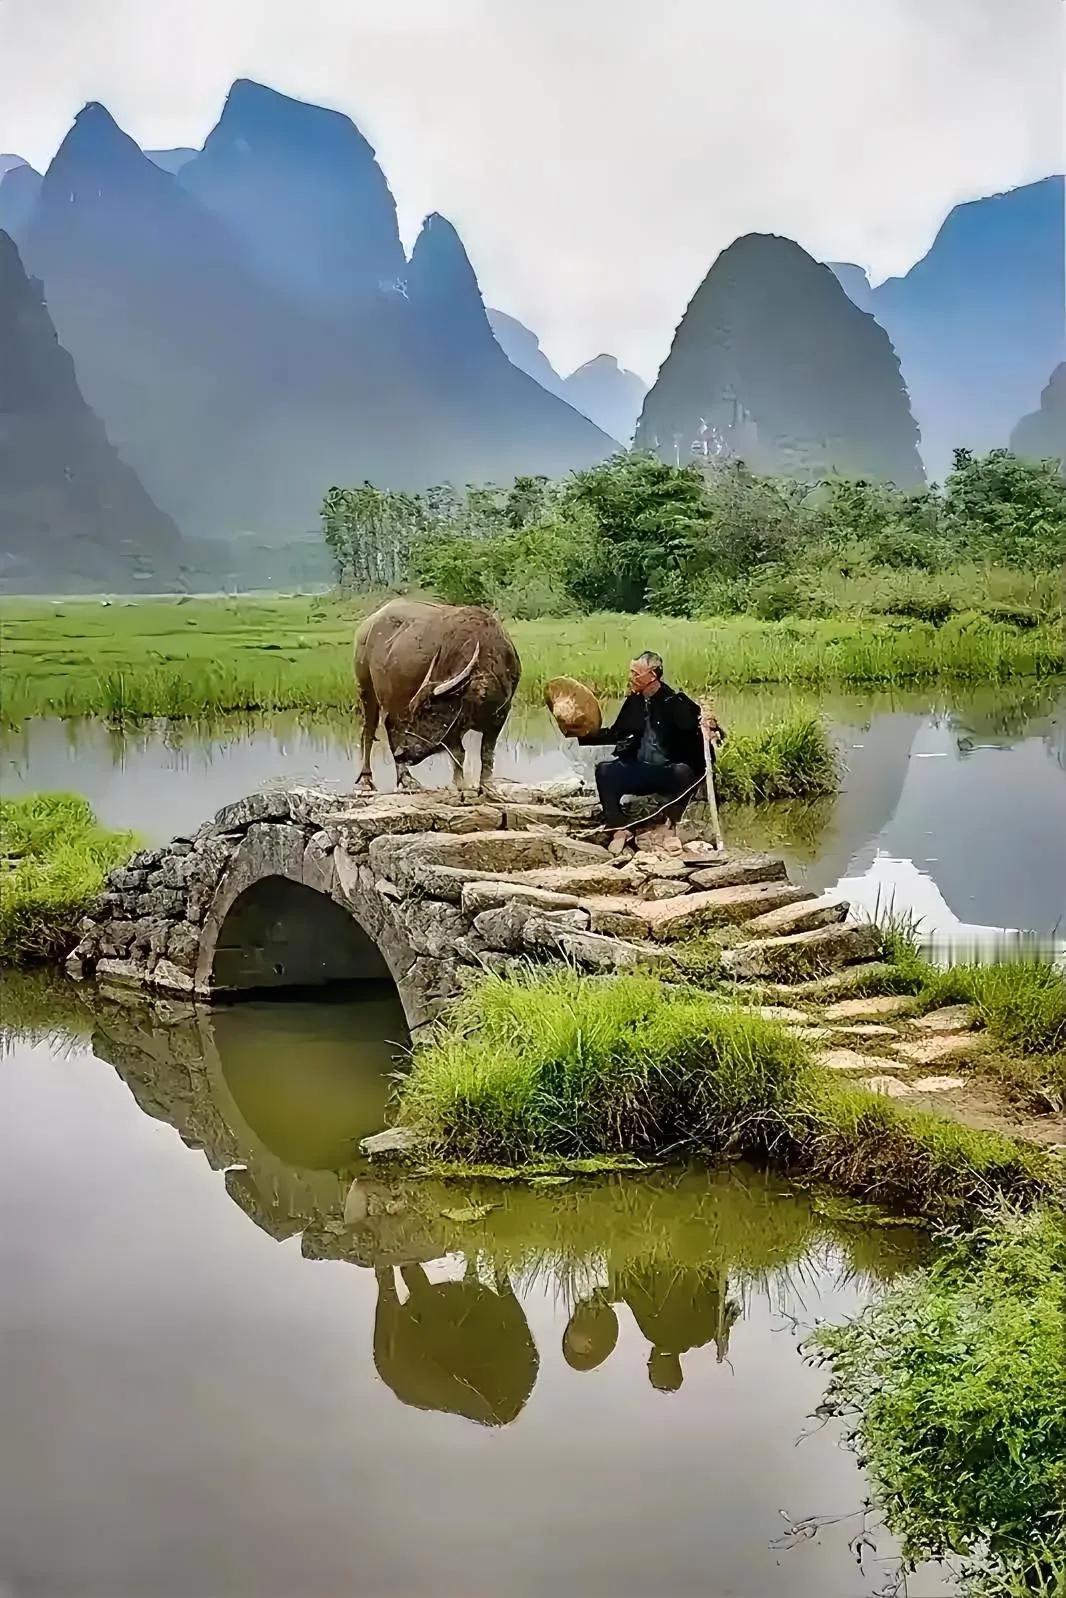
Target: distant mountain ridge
x=980, y=320
x=72, y=514
x=1041, y=435
x=774, y=364
x=252, y=333
x=600, y=389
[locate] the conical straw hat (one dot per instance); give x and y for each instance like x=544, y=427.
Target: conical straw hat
x=575, y=707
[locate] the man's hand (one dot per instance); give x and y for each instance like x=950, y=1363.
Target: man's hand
x=710, y=725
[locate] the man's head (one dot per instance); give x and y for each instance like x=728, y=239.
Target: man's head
x=645, y=673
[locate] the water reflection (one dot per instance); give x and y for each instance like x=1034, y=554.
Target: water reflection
x=459, y=1346
x=277, y=1097
x=193, y=1409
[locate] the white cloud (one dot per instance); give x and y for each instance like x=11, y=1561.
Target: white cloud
x=595, y=154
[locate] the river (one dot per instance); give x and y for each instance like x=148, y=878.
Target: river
x=235, y=1364
x=952, y=807
x=238, y=1365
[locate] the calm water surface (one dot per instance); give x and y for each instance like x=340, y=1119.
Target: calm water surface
x=236, y=1364
x=951, y=809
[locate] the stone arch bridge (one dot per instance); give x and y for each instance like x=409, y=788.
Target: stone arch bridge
x=297, y=887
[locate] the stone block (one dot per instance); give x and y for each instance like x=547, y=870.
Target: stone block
x=595, y=952
x=952, y=1018
x=170, y=978
x=126, y=881
x=167, y=902
x=123, y=971
x=720, y=907
x=804, y=954
x=183, y=945
x=940, y=1046
x=849, y=1059
x=734, y=870
x=491, y=895
x=432, y=927
x=873, y=1005
x=804, y=916
x=269, y=805
x=888, y=1086
x=116, y=938
x=656, y=888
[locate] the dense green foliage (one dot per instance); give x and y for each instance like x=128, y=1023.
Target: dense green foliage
x=554, y=1063
x=634, y=534
x=954, y=1387
x=53, y=860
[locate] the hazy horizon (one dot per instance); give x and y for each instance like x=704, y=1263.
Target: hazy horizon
x=596, y=162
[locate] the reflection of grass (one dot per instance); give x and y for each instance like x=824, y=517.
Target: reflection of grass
x=561, y=1064
x=53, y=860
x=954, y=1387
x=206, y=657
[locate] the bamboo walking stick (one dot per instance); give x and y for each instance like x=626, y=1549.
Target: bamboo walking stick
x=712, y=802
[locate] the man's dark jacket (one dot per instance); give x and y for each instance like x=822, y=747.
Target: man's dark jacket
x=673, y=715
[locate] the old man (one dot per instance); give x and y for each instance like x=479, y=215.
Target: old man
x=659, y=750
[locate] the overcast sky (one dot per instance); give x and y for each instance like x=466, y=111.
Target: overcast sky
x=595, y=155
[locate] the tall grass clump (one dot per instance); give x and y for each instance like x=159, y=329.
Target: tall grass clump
x=54, y=857
x=953, y=1388
x=562, y=1064
x=552, y=1063
x=792, y=759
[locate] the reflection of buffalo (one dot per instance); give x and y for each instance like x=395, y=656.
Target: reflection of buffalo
x=455, y=1346
x=437, y=672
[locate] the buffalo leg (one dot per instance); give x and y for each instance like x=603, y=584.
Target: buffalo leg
x=371, y=716
x=489, y=739
x=454, y=746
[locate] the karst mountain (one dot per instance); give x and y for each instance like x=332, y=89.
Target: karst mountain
x=773, y=364
x=73, y=515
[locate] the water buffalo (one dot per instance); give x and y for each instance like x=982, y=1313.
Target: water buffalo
x=436, y=672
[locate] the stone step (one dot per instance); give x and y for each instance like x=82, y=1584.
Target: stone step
x=670, y=919
x=836, y=984
x=805, y=916
x=492, y=894
x=803, y=954
x=733, y=870
x=869, y=1008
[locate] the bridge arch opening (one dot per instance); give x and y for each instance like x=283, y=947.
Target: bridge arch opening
x=281, y=934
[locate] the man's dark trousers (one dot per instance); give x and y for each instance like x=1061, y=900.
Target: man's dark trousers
x=617, y=778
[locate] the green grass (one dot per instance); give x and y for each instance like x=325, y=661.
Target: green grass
x=548, y=1064
x=953, y=1388
x=204, y=658
x=54, y=857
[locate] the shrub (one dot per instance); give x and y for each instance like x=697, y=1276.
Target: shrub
x=53, y=860
x=954, y=1390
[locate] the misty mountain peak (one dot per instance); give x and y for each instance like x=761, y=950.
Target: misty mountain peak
x=772, y=363
x=302, y=187
x=442, y=282
x=97, y=157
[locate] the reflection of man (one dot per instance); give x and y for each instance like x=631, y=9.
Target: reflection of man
x=658, y=750
x=456, y=1346
x=677, y=1312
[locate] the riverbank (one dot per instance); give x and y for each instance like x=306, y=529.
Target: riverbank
x=54, y=857
x=556, y=1066
x=196, y=659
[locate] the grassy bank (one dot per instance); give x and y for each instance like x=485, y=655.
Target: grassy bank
x=558, y=1064
x=953, y=1389
x=203, y=658
x=53, y=859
